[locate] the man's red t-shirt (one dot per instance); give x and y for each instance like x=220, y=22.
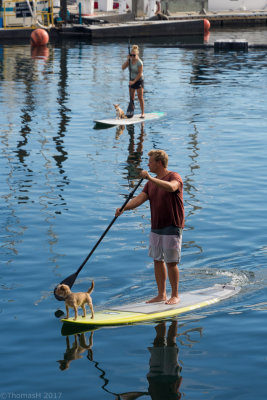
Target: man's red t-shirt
x=167, y=208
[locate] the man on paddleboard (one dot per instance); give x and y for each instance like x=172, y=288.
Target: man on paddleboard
x=165, y=195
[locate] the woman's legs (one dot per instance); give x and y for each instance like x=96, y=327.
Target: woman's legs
x=140, y=93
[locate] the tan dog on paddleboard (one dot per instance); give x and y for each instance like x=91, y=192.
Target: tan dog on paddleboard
x=75, y=300
x=119, y=113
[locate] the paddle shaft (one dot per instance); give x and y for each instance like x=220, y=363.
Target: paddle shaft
x=129, y=51
x=108, y=228
x=130, y=109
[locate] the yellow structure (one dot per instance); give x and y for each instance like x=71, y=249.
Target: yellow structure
x=27, y=14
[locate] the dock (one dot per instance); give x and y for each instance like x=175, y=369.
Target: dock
x=110, y=25
x=227, y=18
x=137, y=29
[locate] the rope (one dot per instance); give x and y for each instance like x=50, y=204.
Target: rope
x=34, y=15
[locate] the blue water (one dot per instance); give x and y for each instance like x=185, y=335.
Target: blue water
x=61, y=181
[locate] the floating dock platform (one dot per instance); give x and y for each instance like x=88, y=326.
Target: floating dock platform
x=137, y=29
x=113, y=25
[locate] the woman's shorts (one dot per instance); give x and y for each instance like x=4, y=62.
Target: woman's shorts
x=139, y=84
x=166, y=244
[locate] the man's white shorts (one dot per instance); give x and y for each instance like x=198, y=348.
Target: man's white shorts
x=166, y=244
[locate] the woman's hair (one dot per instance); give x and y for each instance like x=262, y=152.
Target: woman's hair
x=135, y=48
x=159, y=155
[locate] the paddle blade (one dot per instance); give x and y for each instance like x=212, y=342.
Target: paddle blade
x=130, y=110
x=68, y=281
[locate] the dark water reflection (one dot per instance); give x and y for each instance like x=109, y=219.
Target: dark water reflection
x=64, y=112
x=135, y=148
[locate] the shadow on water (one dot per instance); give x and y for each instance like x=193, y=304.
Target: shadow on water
x=164, y=371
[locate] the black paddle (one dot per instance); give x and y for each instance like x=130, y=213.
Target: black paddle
x=71, y=279
x=130, y=109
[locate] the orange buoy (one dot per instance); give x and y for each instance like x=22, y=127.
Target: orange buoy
x=206, y=25
x=39, y=37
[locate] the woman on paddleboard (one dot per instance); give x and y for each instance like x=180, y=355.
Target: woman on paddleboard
x=135, y=64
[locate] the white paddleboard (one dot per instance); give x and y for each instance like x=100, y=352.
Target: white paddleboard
x=136, y=119
x=142, y=311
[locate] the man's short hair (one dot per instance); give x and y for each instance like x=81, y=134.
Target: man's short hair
x=159, y=155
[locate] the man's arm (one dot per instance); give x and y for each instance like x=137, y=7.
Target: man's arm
x=134, y=203
x=171, y=186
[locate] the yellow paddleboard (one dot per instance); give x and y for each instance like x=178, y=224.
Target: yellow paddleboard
x=140, y=312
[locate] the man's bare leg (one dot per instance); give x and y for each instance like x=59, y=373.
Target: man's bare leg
x=173, y=273
x=161, y=277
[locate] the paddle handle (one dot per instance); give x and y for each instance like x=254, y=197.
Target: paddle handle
x=108, y=228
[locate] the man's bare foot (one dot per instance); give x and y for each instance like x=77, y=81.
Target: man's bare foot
x=173, y=300
x=156, y=299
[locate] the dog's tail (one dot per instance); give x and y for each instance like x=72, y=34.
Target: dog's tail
x=91, y=288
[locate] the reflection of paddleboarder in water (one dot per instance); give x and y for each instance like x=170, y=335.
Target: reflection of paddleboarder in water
x=164, y=371
x=164, y=375
x=135, y=65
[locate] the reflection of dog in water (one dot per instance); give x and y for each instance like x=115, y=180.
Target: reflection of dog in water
x=75, y=351
x=119, y=131
x=75, y=300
